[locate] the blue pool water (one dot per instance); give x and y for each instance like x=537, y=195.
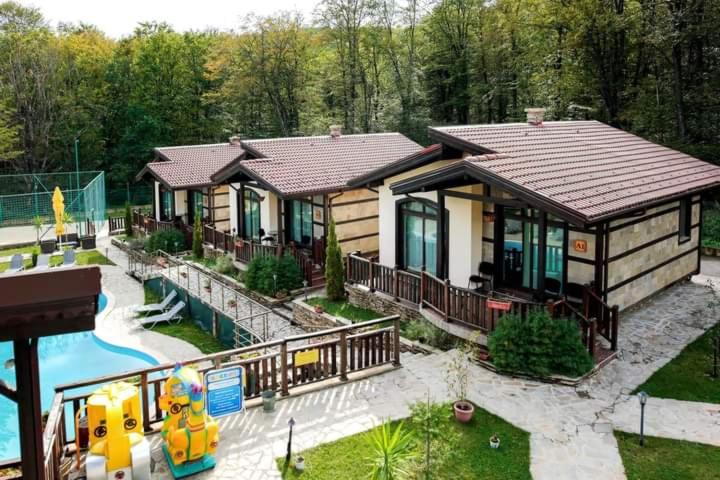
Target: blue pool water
x=63, y=359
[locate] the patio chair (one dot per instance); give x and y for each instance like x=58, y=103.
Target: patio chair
x=156, y=307
x=574, y=293
x=552, y=287
x=484, y=277
x=16, y=264
x=174, y=315
x=43, y=262
x=68, y=258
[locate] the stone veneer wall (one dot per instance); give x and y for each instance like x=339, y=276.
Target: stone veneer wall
x=379, y=302
x=305, y=316
x=633, y=236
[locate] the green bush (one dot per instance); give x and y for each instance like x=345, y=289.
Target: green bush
x=334, y=275
x=224, y=264
x=711, y=228
x=425, y=332
x=539, y=345
x=260, y=271
x=170, y=241
x=197, y=246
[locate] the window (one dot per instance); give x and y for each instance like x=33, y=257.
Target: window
x=301, y=222
x=196, y=206
x=166, y=204
x=685, y=220
x=418, y=232
x=251, y=215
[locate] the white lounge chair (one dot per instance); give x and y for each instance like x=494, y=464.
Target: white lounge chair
x=156, y=307
x=16, y=264
x=43, y=262
x=68, y=258
x=174, y=315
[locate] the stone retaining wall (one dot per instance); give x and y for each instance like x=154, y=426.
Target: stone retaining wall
x=380, y=302
x=306, y=316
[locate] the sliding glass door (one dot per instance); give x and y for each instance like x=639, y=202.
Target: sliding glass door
x=300, y=229
x=251, y=215
x=418, y=236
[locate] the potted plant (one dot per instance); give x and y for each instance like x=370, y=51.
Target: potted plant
x=206, y=286
x=300, y=464
x=457, y=381
x=495, y=441
x=232, y=303
x=319, y=309
x=281, y=294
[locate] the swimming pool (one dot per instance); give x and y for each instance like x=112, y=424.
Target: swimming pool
x=63, y=359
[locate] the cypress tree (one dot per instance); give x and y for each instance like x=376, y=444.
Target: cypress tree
x=197, y=246
x=128, y=220
x=334, y=275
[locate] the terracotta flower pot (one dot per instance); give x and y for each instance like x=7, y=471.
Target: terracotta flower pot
x=464, y=411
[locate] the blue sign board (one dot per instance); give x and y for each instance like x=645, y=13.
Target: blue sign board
x=224, y=389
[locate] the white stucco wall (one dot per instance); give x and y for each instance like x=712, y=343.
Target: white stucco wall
x=466, y=226
x=268, y=208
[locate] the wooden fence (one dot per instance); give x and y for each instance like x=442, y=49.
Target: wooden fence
x=270, y=366
x=402, y=285
x=116, y=224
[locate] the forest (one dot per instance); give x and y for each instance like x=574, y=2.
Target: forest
x=648, y=66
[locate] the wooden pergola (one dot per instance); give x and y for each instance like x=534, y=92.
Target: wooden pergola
x=33, y=305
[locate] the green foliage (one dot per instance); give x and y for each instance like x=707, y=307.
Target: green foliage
x=224, y=264
x=197, y=246
x=269, y=274
x=334, y=274
x=128, y=220
x=428, y=419
x=345, y=310
x=425, y=332
x=539, y=345
x=171, y=241
x=391, y=450
x=34, y=258
x=711, y=228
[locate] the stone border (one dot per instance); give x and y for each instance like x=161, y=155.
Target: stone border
x=362, y=297
x=305, y=315
x=711, y=251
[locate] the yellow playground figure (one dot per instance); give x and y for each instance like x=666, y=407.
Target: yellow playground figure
x=191, y=435
x=118, y=448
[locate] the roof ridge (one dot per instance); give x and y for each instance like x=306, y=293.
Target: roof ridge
x=517, y=124
x=172, y=147
x=310, y=137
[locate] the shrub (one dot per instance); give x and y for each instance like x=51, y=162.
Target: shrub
x=711, y=228
x=539, y=345
x=224, y=264
x=197, y=247
x=128, y=220
x=171, y=241
x=334, y=276
x=425, y=332
x=259, y=275
x=34, y=257
x=392, y=448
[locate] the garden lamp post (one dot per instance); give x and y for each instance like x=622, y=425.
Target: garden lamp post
x=291, y=423
x=305, y=285
x=275, y=290
x=643, y=398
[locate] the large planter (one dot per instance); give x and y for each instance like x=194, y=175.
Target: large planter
x=87, y=242
x=464, y=411
x=48, y=246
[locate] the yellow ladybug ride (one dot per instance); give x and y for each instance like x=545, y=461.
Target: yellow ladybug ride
x=191, y=435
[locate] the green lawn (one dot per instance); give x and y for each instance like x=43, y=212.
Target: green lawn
x=687, y=376
x=12, y=251
x=91, y=257
x=667, y=459
x=186, y=330
x=467, y=455
x=345, y=310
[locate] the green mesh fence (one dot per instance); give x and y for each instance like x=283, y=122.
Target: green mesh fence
x=26, y=197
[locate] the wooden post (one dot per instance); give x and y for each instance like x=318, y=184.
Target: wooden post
x=284, y=369
x=396, y=342
x=145, y=402
x=396, y=283
x=343, y=355
x=446, y=300
x=615, y=319
x=29, y=409
x=586, y=301
x=348, y=271
x=422, y=286
x=591, y=337
x=370, y=275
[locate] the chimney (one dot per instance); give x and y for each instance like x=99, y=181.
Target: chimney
x=234, y=140
x=335, y=131
x=535, y=115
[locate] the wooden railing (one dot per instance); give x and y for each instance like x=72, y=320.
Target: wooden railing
x=392, y=281
x=608, y=318
x=116, y=224
x=268, y=366
x=148, y=224
x=469, y=307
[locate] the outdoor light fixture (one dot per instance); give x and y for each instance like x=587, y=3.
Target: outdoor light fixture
x=291, y=423
x=305, y=285
x=275, y=290
x=643, y=398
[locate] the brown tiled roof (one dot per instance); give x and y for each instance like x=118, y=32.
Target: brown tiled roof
x=308, y=165
x=590, y=168
x=193, y=165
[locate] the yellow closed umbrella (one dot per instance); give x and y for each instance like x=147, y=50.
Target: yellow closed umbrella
x=58, y=204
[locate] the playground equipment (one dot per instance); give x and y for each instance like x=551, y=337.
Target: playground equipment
x=191, y=435
x=118, y=448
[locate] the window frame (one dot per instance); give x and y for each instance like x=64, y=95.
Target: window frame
x=401, y=211
x=685, y=220
x=250, y=196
